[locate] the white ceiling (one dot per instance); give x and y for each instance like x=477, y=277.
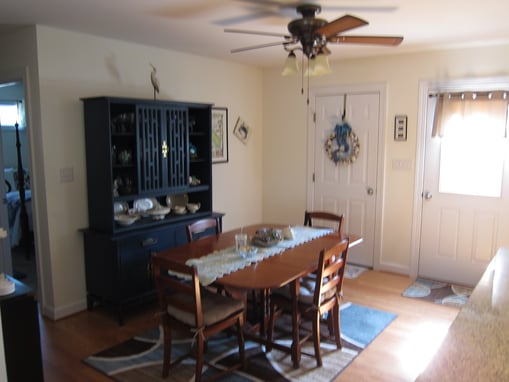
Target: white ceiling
x=197, y=26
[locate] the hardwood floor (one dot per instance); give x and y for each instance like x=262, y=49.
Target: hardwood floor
x=395, y=355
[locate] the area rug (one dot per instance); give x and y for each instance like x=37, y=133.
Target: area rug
x=140, y=358
x=354, y=271
x=438, y=292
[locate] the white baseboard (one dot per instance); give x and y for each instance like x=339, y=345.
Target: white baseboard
x=56, y=313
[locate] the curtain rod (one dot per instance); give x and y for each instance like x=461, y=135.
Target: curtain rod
x=459, y=94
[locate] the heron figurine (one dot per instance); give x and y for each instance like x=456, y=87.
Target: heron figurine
x=154, y=80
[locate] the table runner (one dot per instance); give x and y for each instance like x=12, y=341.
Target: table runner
x=219, y=263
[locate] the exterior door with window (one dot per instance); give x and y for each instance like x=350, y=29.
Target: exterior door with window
x=348, y=188
x=465, y=202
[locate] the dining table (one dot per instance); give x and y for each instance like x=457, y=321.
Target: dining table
x=260, y=269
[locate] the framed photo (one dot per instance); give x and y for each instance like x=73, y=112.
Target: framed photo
x=242, y=130
x=219, y=135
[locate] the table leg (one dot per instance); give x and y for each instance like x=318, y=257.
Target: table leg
x=296, y=351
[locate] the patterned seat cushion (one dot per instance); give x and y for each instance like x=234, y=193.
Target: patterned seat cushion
x=216, y=307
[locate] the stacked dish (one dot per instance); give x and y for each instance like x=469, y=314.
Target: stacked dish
x=180, y=210
x=126, y=220
x=159, y=212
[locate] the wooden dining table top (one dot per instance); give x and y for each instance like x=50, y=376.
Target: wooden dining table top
x=270, y=273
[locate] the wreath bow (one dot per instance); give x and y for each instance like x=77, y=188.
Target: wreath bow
x=347, y=144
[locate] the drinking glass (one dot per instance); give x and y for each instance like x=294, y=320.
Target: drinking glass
x=241, y=244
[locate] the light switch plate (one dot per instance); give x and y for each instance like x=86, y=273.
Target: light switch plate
x=400, y=127
x=66, y=174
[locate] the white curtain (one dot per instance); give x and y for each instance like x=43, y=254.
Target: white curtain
x=479, y=112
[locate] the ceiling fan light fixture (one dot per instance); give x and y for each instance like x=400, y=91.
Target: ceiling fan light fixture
x=318, y=65
x=291, y=67
x=321, y=65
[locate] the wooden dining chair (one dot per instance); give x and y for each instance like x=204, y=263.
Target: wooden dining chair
x=324, y=218
x=186, y=307
x=311, y=302
x=202, y=228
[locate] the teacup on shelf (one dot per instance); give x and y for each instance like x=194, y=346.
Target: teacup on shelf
x=193, y=207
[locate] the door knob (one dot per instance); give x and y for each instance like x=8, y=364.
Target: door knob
x=427, y=195
x=370, y=191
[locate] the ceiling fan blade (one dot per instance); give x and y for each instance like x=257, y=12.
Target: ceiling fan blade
x=258, y=46
x=230, y=30
x=339, y=8
x=359, y=8
x=374, y=40
x=244, y=18
x=342, y=24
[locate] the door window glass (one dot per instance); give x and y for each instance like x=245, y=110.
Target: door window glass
x=473, y=143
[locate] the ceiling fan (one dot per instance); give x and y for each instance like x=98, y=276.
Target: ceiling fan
x=311, y=34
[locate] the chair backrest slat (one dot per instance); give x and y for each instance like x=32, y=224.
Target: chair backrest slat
x=330, y=275
x=324, y=218
x=202, y=228
x=183, y=292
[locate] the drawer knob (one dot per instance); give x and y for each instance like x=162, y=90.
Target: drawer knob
x=148, y=242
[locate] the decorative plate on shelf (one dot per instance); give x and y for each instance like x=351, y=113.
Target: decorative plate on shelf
x=143, y=205
x=177, y=200
x=120, y=207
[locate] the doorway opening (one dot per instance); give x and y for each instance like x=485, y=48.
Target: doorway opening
x=16, y=191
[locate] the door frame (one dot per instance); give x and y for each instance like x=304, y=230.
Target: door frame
x=425, y=88
x=381, y=89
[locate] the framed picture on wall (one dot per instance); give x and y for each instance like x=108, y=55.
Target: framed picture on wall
x=219, y=135
x=242, y=130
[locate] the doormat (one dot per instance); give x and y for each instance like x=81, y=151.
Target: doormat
x=439, y=292
x=354, y=271
x=140, y=358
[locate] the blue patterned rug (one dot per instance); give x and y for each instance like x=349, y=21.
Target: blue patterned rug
x=140, y=358
x=438, y=292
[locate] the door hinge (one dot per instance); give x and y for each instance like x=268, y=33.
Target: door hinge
x=313, y=177
x=314, y=116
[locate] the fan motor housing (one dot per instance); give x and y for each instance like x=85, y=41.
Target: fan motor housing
x=304, y=30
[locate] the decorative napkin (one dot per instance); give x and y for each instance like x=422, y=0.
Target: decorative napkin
x=220, y=263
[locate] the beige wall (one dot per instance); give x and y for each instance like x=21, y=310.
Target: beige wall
x=285, y=120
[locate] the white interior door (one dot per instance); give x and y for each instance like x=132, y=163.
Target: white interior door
x=460, y=232
x=349, y=189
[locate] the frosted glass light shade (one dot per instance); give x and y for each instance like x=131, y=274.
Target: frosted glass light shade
x=291, y=67
x=321, y=65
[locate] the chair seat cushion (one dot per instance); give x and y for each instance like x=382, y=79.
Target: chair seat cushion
x=216, y=307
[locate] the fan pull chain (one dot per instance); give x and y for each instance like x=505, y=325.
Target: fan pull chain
x=302, y=75
x=308, y=79
x=308, y=90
